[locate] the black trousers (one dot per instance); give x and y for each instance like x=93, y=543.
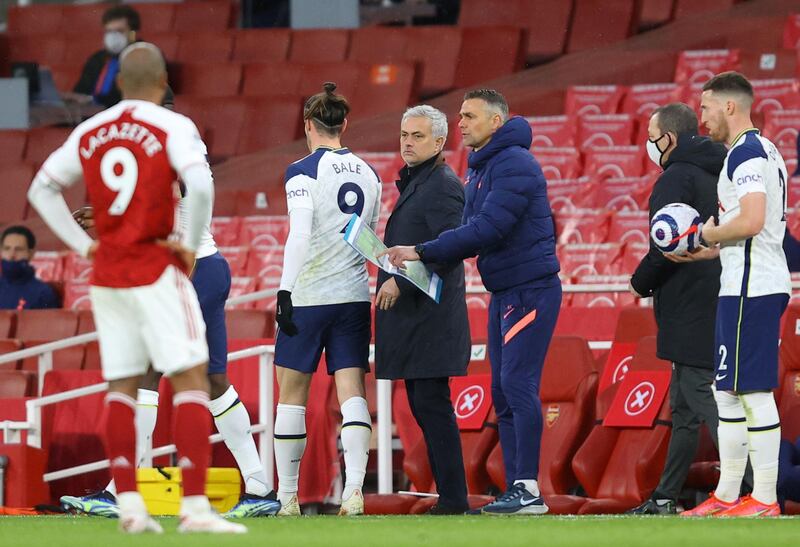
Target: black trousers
x=692, y=403
x=429, y=399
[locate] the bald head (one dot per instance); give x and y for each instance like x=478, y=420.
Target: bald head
x=142, y=72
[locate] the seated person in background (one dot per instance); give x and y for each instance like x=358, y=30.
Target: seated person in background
x=789, y=472
x=98, y=81
x=19, y=288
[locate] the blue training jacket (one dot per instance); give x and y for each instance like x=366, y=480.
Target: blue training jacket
x=507, y=218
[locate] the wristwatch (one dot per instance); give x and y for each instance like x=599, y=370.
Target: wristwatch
x=420, y=250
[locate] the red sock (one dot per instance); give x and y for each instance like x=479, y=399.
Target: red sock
x=191, y=428
x=121, y=440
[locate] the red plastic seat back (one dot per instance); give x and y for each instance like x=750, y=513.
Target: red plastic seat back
x=249, y=324
x=261, y=45
x=634, y=324
x=46, y=324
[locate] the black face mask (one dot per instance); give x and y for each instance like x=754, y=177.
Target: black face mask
x=17, y=270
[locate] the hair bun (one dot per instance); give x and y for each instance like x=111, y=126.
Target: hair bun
x=329, y=87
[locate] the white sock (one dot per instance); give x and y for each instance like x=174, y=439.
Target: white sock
x=733, y=445
x=356, y=432
x=131, y=503
x=290, y=443
x=764, y=433
x=531, y=485
x=145, y=418
x=233, y=423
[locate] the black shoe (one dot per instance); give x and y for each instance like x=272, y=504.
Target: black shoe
x=439, y=509
x=654, y=507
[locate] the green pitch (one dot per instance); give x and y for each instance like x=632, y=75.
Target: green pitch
x=478, y=531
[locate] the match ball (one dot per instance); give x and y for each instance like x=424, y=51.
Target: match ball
x=675, y=229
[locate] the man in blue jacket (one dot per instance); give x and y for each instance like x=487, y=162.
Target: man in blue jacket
x=19, y=287
x=508, y=224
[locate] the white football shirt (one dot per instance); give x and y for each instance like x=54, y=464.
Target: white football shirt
x=757, y=265
x=333, y=184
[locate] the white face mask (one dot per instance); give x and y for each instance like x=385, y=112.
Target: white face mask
x=115, y=42
x=653, y=151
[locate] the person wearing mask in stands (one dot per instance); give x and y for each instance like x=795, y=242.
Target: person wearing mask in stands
x=19, y=287
x=98, y=80
x=684, y=295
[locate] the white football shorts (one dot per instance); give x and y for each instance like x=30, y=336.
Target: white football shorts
x=159, y=324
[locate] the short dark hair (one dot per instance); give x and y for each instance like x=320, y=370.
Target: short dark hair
x=492, y=97
x=730, y=82
x=20, y=230
x=678, y=118
x=123, y=12
x=327, y=110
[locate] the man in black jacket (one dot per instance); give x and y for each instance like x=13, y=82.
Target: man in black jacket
x=684, y=295
x=417, y=340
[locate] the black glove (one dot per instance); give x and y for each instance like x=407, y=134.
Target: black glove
x=284, y=315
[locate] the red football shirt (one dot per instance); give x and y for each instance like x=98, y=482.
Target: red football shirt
x=129, y=157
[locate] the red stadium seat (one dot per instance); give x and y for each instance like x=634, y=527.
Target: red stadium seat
x=46, y=50
x=38, y=19
x=265, y=230
x=45, y=324
x=77, y=268
x=629, y=226
x=558, y=163
x=635, y=324
x=226, y=230
x=593, y=99
x=347, y=77
x=789, y=383
x=270, y=121
x=564, y=193
x=782, y=126
x=85, y=322
x=698, y=66
x=378, y=45
x=9, y=345
x=17, y=178
x=617, y=194
x=488, y=13
x=581, y=259
x=49, y=265
x=693, y=8
x=15, y=383
x=641, y=100
x=253, y=203
x=438, y=65
x=385, y=164
x=771, y=95
x=8, y=323
x=223, y=119
x=66, y=76
x=79, y=48
x=76, y=295
x=249, y=324
x=586, y=33
x=582, y=226
x=771, y=65
x=64, y=359
x=569, y=386
x=268, y=79
x=224, y=202
x=261, y=45
x=205, y=47
x=156, y=17
x=167, y=42
x=210, y=79
x=547, y=24
x=553, y=131
x=82, y=17
x=206, y=15
x=604, y=130
x=319, y=46
x=791, y=32
x=383, y=88
x=12, y=145
x=43, y=141
x=604, y=163
x=503, y=45
x=654, y=13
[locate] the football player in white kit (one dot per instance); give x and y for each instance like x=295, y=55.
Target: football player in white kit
x=324, y=298
x=754, y=292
